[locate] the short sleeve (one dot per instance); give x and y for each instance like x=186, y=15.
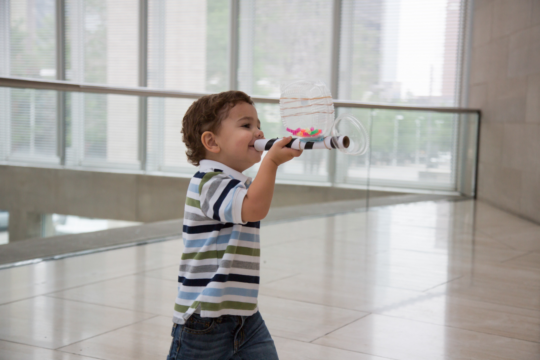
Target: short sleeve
x=221, y=197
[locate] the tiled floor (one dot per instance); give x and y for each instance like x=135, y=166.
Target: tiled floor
x=430, y=280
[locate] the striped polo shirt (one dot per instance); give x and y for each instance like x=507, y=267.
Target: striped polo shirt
x=219, y=270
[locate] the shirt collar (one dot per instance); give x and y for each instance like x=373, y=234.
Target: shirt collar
x=205, y=165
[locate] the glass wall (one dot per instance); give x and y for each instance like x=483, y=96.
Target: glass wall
x=401, y=51
x=281, y=41
x=372, y=51
x=28, y=48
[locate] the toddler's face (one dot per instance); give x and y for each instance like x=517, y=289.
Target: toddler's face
x=237, y=135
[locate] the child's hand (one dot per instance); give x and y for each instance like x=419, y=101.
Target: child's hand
x=280, y=154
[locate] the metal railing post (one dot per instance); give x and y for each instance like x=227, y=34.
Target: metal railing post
x=143, y=81
x=334, y=78
x=5, y=94
x=60, y=13
x=233, y=43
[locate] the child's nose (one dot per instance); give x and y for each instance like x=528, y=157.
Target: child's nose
x=259, y=134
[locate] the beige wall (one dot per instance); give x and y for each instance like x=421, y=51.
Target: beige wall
x=505, y=84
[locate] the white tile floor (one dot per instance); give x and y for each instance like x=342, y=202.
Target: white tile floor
x=418, y=281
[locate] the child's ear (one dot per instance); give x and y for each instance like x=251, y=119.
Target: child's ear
x=208, y=140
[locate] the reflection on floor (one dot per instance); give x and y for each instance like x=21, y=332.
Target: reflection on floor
x=430, y=280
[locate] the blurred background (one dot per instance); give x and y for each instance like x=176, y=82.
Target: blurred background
x=399, y=66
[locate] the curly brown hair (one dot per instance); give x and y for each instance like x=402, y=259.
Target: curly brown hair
x=206, y=114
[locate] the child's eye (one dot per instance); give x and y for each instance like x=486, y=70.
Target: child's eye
x=246, y=126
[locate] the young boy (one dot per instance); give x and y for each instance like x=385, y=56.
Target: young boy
x=215, y=314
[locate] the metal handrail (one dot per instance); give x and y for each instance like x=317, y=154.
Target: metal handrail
x=19, y=82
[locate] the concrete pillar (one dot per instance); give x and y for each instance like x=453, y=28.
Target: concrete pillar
x=27, y=225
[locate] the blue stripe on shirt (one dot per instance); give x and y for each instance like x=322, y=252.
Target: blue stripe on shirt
x=224, y=193
x=186, y=295
x=230, y=291
x=229, y=207
x=222, y=239
x=193, y=188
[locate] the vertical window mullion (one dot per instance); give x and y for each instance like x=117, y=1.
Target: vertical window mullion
x=5, y=96
x=334, y=76
x=61, y=75
x=233, y=44
x=143, y=81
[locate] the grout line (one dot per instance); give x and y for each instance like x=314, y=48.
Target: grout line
x=516, y=257
x=106, y=332
x=74, y=287
x=42, y=348
x=457, y=296
x=347, y=324
x=314, y=303
x=497, y=240
x=87, y=284
x=455, y=327
x=103, y=305
x=333, y=347
x=444, y=283
x=283, y=278
x=326, y=306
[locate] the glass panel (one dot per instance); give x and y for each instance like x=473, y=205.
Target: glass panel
x=33, y=123
x=166, y=150
x=414, y=148
x=467, y=144
x=188, y=45
x=281, y=41
x=354, y=169
x=102, y=130
x=27, y=49
x=32, y=50
x=388, y=55
x=102, y=41
x=410, y=150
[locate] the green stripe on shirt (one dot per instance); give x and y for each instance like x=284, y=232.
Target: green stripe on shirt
x=213, y=254
x=240, y=250
x=207, y=178
x=193, y=202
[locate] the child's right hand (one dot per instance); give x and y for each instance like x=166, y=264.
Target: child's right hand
x=280, y=154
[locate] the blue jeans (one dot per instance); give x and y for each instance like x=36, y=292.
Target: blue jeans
x=223, y=338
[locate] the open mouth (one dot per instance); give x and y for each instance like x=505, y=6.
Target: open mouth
x=253, y=147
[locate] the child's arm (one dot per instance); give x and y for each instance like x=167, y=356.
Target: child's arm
x=259, y=195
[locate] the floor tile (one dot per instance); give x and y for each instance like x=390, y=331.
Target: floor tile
x=14, y=351
x=50, y=323
x=296, y=350
x=529, y=260
x=303, y=321
x=489, y=318
x=45, y=277
x=150, y=339
x=338, y=293
x=404, y=339
x=134, y=292
x=427, y=280
x=492, y=291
